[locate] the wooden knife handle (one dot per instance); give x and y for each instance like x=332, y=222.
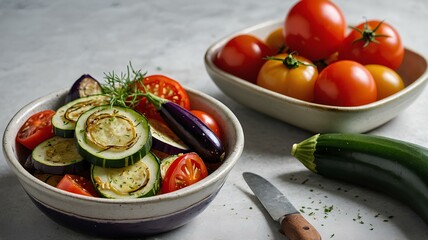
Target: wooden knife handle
x=296, y=227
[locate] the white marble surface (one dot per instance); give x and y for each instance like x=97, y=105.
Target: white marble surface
x=46, y=45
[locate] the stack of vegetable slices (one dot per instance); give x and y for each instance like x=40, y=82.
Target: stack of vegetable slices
x=108, y=139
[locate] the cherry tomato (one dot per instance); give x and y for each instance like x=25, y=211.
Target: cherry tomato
x=345, y=83
x=314, y=28
x=184, y=171
x=208, y=120
x=36, y=129
x=242, y=56
x=290, y=75
x=77, y=184
x=275, y=41
x=373, y=42
x=387, y=80
x=163, y=87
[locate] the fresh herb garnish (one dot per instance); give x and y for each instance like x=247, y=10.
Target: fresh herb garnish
x=123, y=90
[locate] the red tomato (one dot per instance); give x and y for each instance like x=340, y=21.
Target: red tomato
x=163, y=87
x=36, y=129
x=208, y=120
x=345, y=83
x=314, y=28
x=373, y=42
x=242, y=56
x=186, y=170
x=77, y=184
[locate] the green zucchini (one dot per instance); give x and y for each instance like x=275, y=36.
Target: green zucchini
x=397, y=168
x=65, y=118
x=57, y=155
x=112, y=136
x=165, y=163
x=142, y=179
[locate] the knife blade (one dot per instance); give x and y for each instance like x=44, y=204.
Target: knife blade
x=293, y=224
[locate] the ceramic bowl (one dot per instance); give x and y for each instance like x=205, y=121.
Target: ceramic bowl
x=316, y=117
x=124, y=218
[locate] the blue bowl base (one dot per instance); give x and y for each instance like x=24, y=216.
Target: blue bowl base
x=123, y=229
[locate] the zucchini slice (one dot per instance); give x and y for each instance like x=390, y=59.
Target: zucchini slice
x=65, y=118
x=112, y=136
x=142, y=179
x=57, y=155
x=165, y=163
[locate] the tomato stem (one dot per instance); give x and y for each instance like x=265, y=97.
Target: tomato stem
x=290, y=61
x=368, y=35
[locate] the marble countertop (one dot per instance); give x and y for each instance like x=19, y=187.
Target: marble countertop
x=46, y=45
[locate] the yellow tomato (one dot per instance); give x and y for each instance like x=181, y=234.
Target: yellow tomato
x=290, y=75
x=387, y=80
x=275, y=41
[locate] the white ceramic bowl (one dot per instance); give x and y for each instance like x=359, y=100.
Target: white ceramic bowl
x=124, y=218
x=316, y=117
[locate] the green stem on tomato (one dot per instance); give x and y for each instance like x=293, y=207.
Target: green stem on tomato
x=368, y=35
x=290, y=61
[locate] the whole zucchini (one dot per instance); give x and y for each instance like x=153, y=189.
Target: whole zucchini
x=397, y=168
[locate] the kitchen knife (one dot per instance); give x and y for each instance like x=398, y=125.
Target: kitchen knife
x=293, y=224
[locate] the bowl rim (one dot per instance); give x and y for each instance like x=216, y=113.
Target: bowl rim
x=231, y=158
x=214, y=48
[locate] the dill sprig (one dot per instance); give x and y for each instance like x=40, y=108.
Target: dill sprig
x=123, y=90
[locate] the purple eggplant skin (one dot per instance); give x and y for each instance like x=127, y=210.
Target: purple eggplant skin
x=162, y=146
x=193, y=132
x=165, y=140
x=85, y=86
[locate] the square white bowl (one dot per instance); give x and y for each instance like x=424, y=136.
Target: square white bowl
x=314, y=117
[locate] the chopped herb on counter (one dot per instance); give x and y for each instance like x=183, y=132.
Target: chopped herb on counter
x=328, y=209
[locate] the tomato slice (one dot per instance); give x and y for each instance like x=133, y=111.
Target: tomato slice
x=36, y=129
x=77, y=184
x=208, y=120
x=186, y=170
x=163, y=87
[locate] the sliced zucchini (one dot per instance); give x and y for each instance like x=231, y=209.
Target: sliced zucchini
x=165, y=163
x=112, y=136
x=65, y=118
x=142, y=179
x=57, y=155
